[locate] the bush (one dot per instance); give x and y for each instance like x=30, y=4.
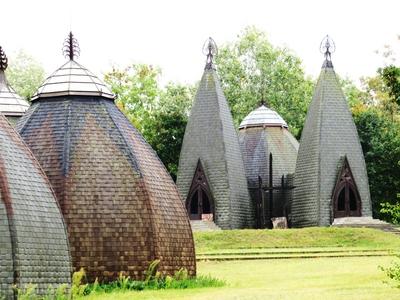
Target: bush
x=391, y=212
x=154, y=281
x=393, y=272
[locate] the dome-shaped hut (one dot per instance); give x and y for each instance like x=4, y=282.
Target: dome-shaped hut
x=121, y=206
x=269, y=153
x=33, y=237
x=12, y=106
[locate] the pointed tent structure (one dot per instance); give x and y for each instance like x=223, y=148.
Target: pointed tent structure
x=262, y=133
x=329, y=136
x=211, y=138
x=12, y=106
x=33, y=237
x=121, y=206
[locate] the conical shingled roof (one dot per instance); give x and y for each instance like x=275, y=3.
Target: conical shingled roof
x=11, y=104
x=210, y=137
x=121, y=206
x=328, y=136
x=33, y=238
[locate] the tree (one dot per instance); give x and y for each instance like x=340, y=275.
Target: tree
x=251, y=68
x=137, y=90
x=169, y=124
x=160, y=114
x=380, y=141
x=24, y=74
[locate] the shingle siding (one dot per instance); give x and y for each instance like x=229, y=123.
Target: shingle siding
x=33, y=240
x=121, y=206
x=328, y=135
x=211, y=137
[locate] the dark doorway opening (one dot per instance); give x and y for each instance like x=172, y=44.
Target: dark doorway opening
x=346, y=199
x=200, y=203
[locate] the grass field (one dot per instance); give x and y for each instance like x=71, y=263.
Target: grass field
x=295, y=278
x=321, y=278
x=320, y=237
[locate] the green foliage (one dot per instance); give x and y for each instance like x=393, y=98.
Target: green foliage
x=78, y=287
x=391, y=212
x=153, y=281
x=380, y=141
x=137, y=91
x=160, y=114
x=151, y=273
x=27, y=293
x=251, y=68
x=167, y=128
x=393, y=271
x=24, y=74
x=391, y=78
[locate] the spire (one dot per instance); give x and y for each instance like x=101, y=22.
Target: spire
x=327, y=47
x=263, y=101
x=71, y=47
x=3, y=60
x=210, y=50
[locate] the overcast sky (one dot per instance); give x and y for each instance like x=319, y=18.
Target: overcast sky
x=171, y=33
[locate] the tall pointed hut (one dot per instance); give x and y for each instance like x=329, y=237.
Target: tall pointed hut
x=331, y=179
x=211, y=176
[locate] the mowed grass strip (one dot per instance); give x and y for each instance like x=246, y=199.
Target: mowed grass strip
x=320, y=237
x=308, y=279
x=293, y=255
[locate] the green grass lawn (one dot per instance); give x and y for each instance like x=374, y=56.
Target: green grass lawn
x=295, y=238
x=294, y=278
x=320, y=278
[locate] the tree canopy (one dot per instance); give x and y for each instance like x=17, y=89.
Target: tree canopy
x=25, y=74
x=251, y=69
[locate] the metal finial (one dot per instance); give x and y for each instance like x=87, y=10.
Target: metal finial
x=3, y=60
x=327, y=47
x=262, y=87
x=71, y=47
x=210, y=50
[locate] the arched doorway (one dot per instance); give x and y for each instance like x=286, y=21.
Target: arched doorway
x=199, y=203
x=346, y=199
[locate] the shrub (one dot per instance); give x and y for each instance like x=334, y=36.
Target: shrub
x=393, y=271
x=391, y=212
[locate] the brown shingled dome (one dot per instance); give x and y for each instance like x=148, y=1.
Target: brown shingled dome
x=33, y=237
x=121, y=206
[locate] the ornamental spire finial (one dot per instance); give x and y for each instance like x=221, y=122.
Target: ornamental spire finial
x=263, y=87
x=71, y=47
x=327, y=47
x=210, y=50
x=3, y=60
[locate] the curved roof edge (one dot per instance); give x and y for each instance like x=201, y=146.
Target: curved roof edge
x=72, y=79
x=263, y=117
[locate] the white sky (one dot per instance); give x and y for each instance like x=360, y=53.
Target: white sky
x=171, y=33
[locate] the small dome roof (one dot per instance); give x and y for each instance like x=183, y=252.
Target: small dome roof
x=263, y=116
x=11, y=104
x=73, y=79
